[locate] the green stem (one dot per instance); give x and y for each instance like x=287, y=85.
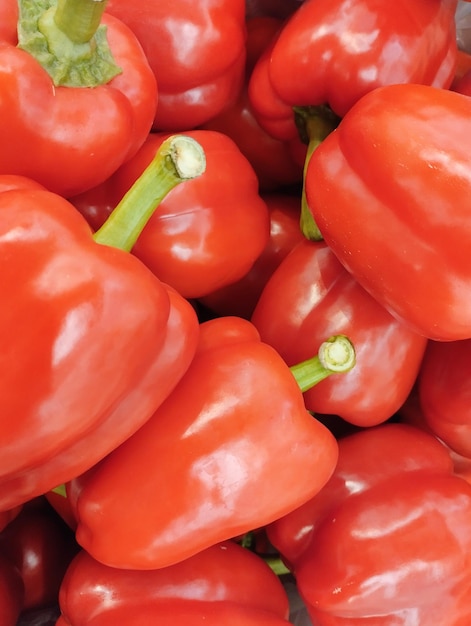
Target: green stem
x=335, y=356
x=179, y=158
x=276, y=565
x=68, y=40
x=60, y=490
x=314, y=125
x=79, y=19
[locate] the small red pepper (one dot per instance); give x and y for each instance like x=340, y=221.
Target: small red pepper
x=85, y=326
x=389, y=190
x=387, y=541
x=193, y=242
x=231, y=449
x=196, y=51
x=77, y=94
x=310, y=296
x=223, y=573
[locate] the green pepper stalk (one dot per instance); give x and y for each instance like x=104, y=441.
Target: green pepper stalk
x=336, y=355
x=314, y=125
x=179, y=158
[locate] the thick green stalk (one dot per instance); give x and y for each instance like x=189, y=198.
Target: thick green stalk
x=179, y=158
x=314, y=125
x=335, y=356
x=79, y=19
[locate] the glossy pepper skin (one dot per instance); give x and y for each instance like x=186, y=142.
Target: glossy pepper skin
x=71, y=138
x=223, y=573
x=169, y=363
x=444, y=389
x=389, y=190
x=201, y=452
x=193, y=241
x=80, y=369
x=308, y=296
x=337, y=51
x=387, y=541
x=196, y=51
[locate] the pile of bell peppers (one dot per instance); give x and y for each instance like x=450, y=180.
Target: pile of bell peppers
x=236, y=328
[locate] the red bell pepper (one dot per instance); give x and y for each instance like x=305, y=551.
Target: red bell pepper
x=241, y=297
x=41, y=546
x=389, y=192
x=81, y=372
x=11, y=592
x=196, y=51
x=387, y=541
x=332, y=52
x=444, y=387
x=223, y=573
x=231, y=449
x=309, y=296
x=194, y=241
x=66, y=121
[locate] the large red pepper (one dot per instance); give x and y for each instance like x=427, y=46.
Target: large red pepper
x=66, y=124
x=444, y=389
x=333, y=52
x=387, y=541
x=310, y=296
x=196, y=51
x=225, y=572
x=85, y=331
x=207, y=233
x=231, y=449
x=389, y=190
